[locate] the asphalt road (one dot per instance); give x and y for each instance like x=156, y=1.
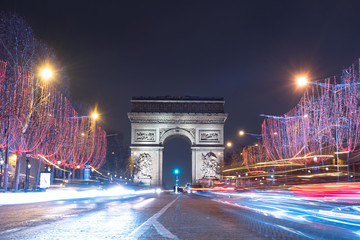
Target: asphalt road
x=164, y=216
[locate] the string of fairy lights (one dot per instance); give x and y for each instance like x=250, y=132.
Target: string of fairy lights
x=324, y=125
x=39, y=121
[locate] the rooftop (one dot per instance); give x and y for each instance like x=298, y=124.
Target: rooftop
x=178, y=104
x=177, y=98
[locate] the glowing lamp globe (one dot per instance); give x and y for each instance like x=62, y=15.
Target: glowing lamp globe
x=302, y=81
x=94, y=115
x=46, y=73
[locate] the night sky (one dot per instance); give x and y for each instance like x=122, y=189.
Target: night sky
x=245, y=51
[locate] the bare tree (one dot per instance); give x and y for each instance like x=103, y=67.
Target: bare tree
x=23, y=53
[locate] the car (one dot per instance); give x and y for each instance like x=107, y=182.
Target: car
x=191, y=188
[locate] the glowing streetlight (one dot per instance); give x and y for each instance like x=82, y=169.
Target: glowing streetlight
x=243, y=133
x=46, y=73
x=94, y=115
x=229, y=144
x=302, y=81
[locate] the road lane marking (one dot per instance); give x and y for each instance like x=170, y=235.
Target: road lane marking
x=163, y=231
x=152, y=221
x=11, y=230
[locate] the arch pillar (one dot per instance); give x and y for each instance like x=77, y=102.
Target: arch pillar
x=206, y=161
x=147, y=164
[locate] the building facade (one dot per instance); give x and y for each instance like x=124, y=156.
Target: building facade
x=154, y=120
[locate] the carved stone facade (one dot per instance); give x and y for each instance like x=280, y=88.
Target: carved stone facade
x=176, y=116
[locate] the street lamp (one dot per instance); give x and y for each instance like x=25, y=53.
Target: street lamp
x=28, y=166
x=229, y=144
x=242, y=133
x=46, y=73
x=176, y=172
x=302, y=81
x=1, y=172
x=94, y=115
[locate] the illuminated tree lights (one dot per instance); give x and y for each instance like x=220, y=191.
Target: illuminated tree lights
x=325, y=121
x=38, y=120
x=254, y=158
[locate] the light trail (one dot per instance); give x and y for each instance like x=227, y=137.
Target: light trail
x=68, y=194
x=303, y=215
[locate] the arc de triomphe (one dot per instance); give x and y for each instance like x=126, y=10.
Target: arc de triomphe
x=156, y=119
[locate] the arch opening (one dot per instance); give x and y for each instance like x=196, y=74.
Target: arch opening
x=177, y=154
x=173, y=132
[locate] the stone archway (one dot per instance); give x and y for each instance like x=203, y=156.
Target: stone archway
x=153, y=120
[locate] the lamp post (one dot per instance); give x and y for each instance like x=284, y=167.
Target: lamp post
x=176, y=172
x=6, y=166
x=39, y=97
x=28, y=166
x=1, y=172
x=59, y=174
x=257, y=136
